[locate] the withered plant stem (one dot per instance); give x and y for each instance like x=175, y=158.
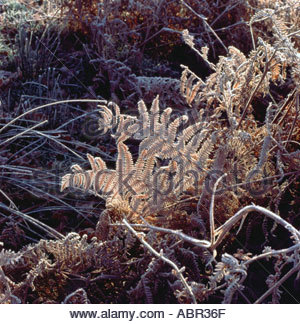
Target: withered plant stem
x=161, y=256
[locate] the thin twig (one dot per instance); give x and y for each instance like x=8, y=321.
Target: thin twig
x=287, y=101
x=277, y=284
x=182, y=236
x=60, y=143
x=162, y=257
x=256, y=88
x=25, y=131
x=49, y=105
x=211, y=210
x=272, y=253
x=295, y=119
x=205, y=23
x=44, y=227
x=12, y=204
x=225, y=228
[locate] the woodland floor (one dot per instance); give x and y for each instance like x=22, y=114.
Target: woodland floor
x=50, y=53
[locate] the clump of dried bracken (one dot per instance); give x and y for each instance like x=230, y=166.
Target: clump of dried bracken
x=195, y=172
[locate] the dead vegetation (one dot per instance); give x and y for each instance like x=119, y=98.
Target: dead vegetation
x=182, y=133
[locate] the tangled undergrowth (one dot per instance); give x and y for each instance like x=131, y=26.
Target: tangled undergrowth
x=184, y=182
